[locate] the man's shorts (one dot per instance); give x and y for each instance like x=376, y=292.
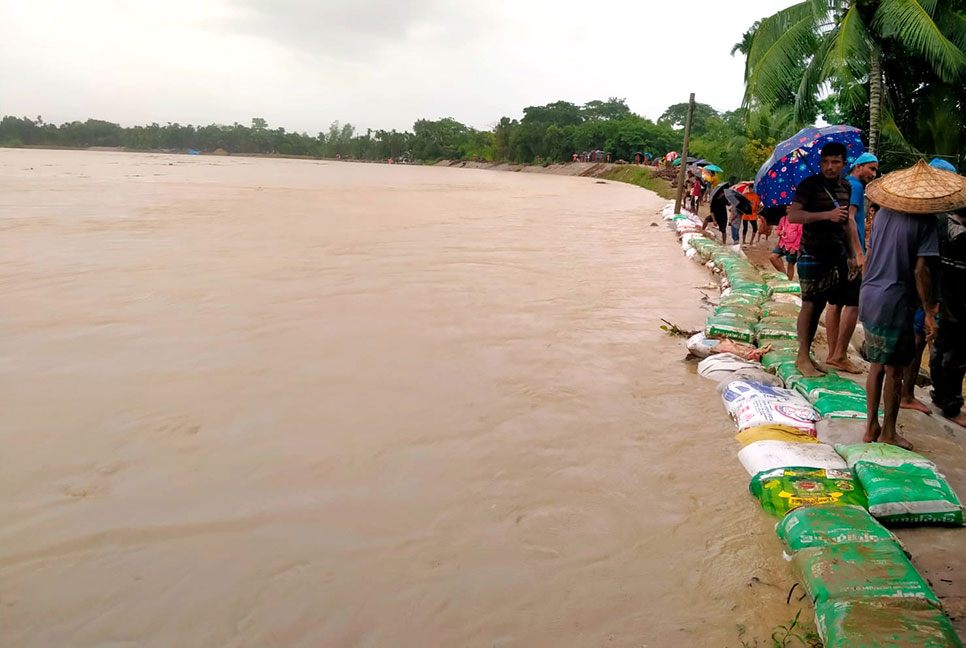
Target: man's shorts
x=791, y=257
x=886, y=345
x=849, y=295
x=824, y=281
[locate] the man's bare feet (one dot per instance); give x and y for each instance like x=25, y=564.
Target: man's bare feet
x=915, y=404
x=872, y=431
x=809, y=368
x=897, y=440
x=844, y=364
x=959, y=419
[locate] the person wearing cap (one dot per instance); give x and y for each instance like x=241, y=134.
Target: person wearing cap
x=898, y=279
x=820, y=205
x=947, y=364
x=840, y=320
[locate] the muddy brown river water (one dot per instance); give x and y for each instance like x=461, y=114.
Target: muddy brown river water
x=256, y=402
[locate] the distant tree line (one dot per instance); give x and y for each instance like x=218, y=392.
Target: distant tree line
x=553, y=133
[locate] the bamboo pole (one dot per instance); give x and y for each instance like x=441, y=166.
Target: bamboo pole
x=682, y=174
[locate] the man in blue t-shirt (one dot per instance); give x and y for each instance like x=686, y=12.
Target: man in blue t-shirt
x=840, y=319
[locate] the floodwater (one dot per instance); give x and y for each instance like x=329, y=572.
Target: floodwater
x=254, y=402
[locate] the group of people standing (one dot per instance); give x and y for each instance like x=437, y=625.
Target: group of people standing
x=914, y=259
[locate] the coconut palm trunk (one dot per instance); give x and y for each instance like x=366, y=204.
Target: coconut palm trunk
x=875, y=97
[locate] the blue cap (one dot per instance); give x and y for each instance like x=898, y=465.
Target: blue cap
x=865, y=158
x=939, y=163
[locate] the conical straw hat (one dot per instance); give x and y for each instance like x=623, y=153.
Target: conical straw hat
x=920, y=189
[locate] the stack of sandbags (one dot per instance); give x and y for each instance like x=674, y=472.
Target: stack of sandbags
x=903, y=487
x=865, y=591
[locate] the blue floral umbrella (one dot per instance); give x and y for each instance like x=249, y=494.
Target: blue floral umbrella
x=798, y=157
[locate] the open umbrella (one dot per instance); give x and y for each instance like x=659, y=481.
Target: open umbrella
x=714, y=168
x=744, y=187
x=798, y=157
x=719, y=188
x=677, y=162
x=738, y=201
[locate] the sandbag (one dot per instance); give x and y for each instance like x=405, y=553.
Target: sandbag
x=776, y=357
x=789, y=373
x=734, y=328
x=787, y=298
x=736, y=310
x=751, y=404
x=831, y=384
x=774, y=433
x=909, y=494
x=837, y=431
x=720, y=367
x=862, y=571
x=768, y=455
x=776, y=328
x=785, y=489
x=862, y=624
x=843, y=406
x=699, y=345
x=778, y=287
x=883, y=454
x=756, y=374
x=821, y=526
x=773, y=308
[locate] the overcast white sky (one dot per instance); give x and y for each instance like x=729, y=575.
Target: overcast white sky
x=375, y=63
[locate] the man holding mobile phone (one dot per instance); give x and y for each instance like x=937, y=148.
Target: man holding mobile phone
x=826, y=265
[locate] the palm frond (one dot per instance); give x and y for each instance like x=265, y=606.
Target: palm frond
x=812, y=79
x=773, y=27
x=912, y=26
x=775, y=73
x=848, y=55
x=952, y=25
x=929, y=6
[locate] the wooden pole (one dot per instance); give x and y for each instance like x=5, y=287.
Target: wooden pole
x=682, y=174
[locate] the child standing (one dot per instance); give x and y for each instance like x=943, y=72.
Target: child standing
x=789, y=240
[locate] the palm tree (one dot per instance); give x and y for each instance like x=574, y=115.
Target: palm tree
x=817, y=45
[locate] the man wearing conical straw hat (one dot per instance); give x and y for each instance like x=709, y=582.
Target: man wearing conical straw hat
x=897, y=280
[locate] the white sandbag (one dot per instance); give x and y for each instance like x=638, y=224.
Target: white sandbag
x=722, y=366
x=751, y=404
x=769, y=455
x=700, y=346
x=759, y=375
x=840, y=431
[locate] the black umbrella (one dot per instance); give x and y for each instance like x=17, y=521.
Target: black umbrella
x=738, y=201
x=718, y=188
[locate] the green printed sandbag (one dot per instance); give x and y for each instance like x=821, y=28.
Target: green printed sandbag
x=777, y=328
x=862, y=624
x=789, y=373
x=778, y=309
x=784, y=345
x=784, y=489
x=732, y=328
x=862, y=571
x=830, y=384
x=820, y=526
x=773, y=275
x=884, y=454
x=746, y=311
x=909, y=494
x=841, y=406
x=787, y=287
x=776, y=357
